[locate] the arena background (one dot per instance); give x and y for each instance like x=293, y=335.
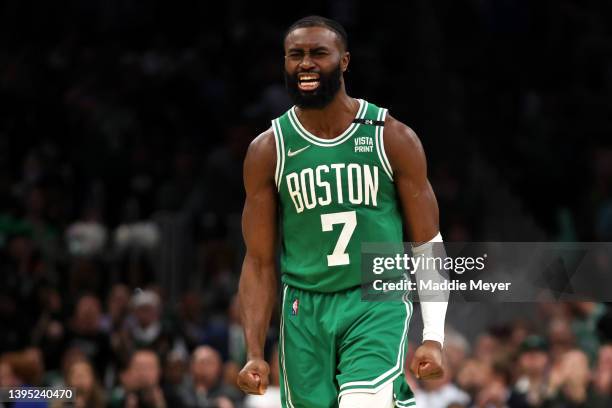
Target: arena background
x=123, y=125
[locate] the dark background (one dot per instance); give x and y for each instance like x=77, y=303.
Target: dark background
x=123, y=125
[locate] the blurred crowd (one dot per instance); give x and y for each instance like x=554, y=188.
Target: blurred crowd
x=136, y=350
x=560, y=358
x=123, y=125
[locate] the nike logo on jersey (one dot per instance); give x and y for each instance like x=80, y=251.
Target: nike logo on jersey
x=296, y=152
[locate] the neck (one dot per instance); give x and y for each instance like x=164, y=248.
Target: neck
x=332, y=120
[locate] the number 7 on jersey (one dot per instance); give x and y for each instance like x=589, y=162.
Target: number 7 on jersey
x=349, y=219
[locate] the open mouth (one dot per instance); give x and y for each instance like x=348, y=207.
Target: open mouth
x=308, y=81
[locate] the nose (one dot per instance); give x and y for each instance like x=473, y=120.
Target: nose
x=306, y=62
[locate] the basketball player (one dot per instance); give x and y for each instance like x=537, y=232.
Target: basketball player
x=334, y=171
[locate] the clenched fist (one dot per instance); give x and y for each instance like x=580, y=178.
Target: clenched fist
x=427, y=361
x=254, y=377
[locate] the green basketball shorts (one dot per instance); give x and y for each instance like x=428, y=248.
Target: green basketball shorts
x=332, y=344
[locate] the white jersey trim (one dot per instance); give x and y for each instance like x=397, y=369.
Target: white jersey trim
x=343, y=137
x=380, y=144
x=280, y=153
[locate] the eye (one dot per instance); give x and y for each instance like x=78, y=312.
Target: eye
x=319, y=54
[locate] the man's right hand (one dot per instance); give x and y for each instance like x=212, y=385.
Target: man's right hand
x=254, y=377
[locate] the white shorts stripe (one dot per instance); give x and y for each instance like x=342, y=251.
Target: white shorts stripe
x=282, y=335
x=397, y=367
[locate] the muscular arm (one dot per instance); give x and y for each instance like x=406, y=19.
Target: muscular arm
x=407, y=158
x=257, y=288
x=421, y=219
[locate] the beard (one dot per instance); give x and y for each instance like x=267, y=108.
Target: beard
x=319, y=98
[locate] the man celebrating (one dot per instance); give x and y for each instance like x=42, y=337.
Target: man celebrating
x=334, y=171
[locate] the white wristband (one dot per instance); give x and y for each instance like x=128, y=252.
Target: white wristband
x=433, y=313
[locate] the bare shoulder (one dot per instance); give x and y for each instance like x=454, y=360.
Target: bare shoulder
x=402, y=146
x=263, y=146
x=260, y=160
x=399, y=135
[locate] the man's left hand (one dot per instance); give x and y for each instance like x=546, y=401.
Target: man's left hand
x=427, y=361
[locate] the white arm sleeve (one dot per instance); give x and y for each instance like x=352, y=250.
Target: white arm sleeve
x=433, y=312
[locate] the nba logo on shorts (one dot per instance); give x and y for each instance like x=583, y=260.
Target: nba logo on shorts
x=294, y=307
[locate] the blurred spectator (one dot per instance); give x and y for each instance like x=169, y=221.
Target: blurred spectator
x=487, y=348
x=145, y=328
x=140, y=383
x=456, y=349
x=85, y=332
x=497, y=391
x=113, y=323
x=57, y=377
x=533, y=365
x=520, y=331
x=175, y=375
x=602, y=377
x=49, y=330
x=205, y=388
x=560, y=337
x=21, y=370
x=8, y=377
x=570, y=384
x=547, y=311
x=33, y=359
x=117, y=308
x=191, y=319
x=89, y=393
x=494, y=395
x=473, y=377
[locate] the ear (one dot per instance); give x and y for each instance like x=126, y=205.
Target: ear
x=344, y=61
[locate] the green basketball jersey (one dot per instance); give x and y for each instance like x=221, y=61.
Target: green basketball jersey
x=334, y=194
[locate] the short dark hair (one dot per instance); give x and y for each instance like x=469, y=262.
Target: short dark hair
x=318, y=21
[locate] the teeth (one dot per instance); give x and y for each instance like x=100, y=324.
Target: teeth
x=308, y=86
x=308, y=77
